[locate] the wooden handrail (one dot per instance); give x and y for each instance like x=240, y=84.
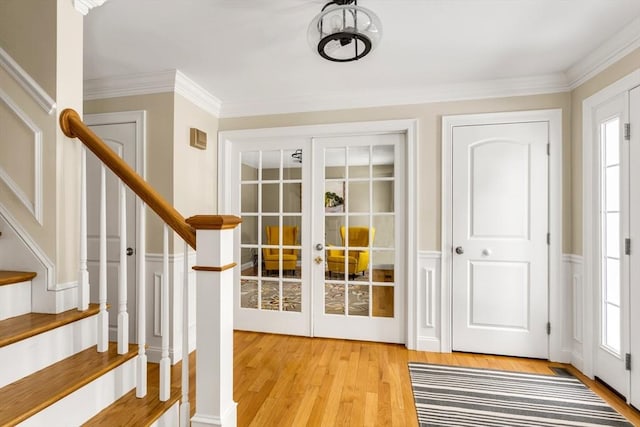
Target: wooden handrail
x=73, y=127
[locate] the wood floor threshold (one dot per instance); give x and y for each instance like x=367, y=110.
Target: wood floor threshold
x=30, y=395
x=28, y=325
x=8, y=277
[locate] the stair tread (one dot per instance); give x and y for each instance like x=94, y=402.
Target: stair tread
x=28, y=396
x=27, y=325
x=132, y=411
x=8, y=277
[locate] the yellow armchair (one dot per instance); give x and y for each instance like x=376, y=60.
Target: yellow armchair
x=271, y=256
x=357, y=259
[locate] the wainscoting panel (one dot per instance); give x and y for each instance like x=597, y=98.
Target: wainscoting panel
x=572, y=340
x=428, y=301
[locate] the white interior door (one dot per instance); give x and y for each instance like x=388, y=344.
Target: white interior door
x=500, y=226
x=358, y=230
x=273, y=180
x=121, y=137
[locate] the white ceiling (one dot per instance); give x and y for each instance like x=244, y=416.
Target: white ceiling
x=254, y=57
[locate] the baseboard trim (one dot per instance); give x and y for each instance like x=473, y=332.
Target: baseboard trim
x=428, y=344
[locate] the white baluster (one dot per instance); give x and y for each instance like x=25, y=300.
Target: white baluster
x=123, y=316
x=83, y=274
x=141, y=384
x=165, y=365
x=185, y=407
x=103, y=316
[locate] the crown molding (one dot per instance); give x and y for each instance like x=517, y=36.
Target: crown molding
x=27, y=82
x=84, y=6
x=150, y=83
x=611, y=51
x=499, y=88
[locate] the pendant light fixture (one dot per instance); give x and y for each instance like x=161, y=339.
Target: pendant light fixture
x=344, y=31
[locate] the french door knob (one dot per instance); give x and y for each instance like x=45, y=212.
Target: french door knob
x=129, y=251
x=459, y=250
x=319, y=247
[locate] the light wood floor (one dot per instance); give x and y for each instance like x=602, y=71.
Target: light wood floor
x=296, y=381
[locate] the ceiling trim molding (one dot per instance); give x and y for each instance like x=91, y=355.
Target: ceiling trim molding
x=84, y=6
x=522, y=86
x=611, y=51
x=27, y=82
x=197, y=94
x=150, y=83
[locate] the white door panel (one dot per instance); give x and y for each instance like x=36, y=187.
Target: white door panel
x=612, y=166
x=500, y=225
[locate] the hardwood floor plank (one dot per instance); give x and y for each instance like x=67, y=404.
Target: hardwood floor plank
x=299, y=381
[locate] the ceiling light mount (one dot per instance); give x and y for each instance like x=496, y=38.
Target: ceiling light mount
x=344, y=31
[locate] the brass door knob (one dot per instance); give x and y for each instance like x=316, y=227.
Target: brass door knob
x=318, y=260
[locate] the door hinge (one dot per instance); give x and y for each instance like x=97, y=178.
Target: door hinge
x=548, y=149
x=627, y=361
x=627, y=131
x=548, y=238
x=548, y=328
x=627, y=246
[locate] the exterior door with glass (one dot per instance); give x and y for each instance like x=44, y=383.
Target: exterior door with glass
x=357, y=227
x=613, y=227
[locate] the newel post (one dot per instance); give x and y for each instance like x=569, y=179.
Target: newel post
x=214, y=319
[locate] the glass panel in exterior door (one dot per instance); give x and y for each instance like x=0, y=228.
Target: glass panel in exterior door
x=271, y=209
x=611, y=229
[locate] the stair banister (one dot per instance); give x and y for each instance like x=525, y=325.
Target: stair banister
x=73, y=127
x=214, y=285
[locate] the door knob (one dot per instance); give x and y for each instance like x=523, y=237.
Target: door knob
x=459, y=250
x=319, y=247
x=129, y=251
x=318, y=260
x=486, y=252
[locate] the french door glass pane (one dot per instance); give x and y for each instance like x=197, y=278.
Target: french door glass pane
x=612, y=142
x=612, y=339
x=613, y=234
x=383, y=161
x=613, y=278
x=612, y=189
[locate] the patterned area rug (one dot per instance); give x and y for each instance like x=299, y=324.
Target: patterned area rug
x=457, y=396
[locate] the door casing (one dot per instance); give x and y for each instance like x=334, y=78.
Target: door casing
x=556, y=294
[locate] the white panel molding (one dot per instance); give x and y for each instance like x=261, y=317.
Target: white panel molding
x=33, y=206
x=614, y=49
x=27, y=82
x=84, y=6
x=428, y=306
x=150, y=83
x=556, y=279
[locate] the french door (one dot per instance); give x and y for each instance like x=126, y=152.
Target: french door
x=618, y=223
x=321, y=236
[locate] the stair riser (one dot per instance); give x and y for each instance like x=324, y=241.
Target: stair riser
x=15, y=299
x=81, y=405
x=28, y=356
x=171, y=418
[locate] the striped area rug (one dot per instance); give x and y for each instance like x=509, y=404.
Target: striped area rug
x=470, y=397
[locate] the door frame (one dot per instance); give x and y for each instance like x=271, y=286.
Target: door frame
x=408, y=127
x=590, y=231
x=139, y=117
x=556, y=294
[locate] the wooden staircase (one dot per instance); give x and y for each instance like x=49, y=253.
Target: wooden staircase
x=52, y=374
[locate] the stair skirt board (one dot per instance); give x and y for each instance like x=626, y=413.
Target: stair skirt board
x=170, y=418
x=86, y=402
x=32, y=354
x=15, y=299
